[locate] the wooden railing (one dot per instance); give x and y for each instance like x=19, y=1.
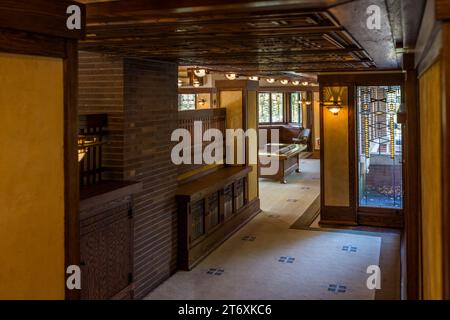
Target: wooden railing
x=90, y=141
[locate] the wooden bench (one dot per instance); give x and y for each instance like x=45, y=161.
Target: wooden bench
x=210, y=209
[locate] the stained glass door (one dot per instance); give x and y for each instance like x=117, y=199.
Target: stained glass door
x=380, y=145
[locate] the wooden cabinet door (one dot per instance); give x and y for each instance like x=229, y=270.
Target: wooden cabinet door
x=106, y=248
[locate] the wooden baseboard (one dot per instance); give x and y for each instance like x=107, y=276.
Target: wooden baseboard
x=380, y=220
x=323, y=222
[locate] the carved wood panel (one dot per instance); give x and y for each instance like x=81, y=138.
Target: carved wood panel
x=105, y=245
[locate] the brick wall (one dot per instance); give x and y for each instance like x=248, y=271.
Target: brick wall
x=101, y=91
x=140, y=98
x=151, y=104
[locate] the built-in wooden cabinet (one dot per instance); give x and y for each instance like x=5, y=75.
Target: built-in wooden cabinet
x=106, y=240
x=210, y=209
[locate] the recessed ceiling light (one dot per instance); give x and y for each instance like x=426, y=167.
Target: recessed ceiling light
x=295, y=82
x=305, y=83
x=270, y=80
x=254, y=78
x=284, y=81
x=230, y=76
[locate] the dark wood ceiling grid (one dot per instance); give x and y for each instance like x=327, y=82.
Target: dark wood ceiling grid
x=248, y=36
x=251, y=41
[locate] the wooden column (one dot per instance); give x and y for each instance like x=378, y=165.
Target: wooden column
x=411, y=178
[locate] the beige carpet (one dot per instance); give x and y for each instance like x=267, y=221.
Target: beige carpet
x=268, y=260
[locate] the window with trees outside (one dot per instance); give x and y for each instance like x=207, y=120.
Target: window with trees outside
x=271, y=107
x=296, y=108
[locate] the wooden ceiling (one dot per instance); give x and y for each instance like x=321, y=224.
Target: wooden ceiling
x=243, y=36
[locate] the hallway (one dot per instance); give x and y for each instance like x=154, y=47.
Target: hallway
x=268, y=260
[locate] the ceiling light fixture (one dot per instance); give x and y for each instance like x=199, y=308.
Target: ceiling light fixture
x=253, y=78
x=295, y=82
x=200, y=72
x=284, y=81
x=270, y=80
x=305, y=83
x=230, y=76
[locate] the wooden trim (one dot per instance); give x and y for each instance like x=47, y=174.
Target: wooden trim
x=367, y=79
x=341, y=215
x=442, y=10
x=288, y=89
x=194, y=90
x=230, y=85
x=375, y=219
x=446, y=158
x=412, y=233
x=20, y=42
x=41, y=17
x=352, y=151
x=71, y=183
x=322, y=153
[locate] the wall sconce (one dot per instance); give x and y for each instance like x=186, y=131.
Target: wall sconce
x=200, y=72
x=284, y=81
x=270, y=80
x=196, y=83
x=230, y=76
x=254, y=78
x=202, y=102
x=180, y=83
x=334, y=106
x=295, y=82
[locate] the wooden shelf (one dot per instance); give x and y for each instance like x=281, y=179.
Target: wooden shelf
x=210, y=183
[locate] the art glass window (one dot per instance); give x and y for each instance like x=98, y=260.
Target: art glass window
x=379, y=147
x=296, y=108
x=271, y=107
x=186, y=102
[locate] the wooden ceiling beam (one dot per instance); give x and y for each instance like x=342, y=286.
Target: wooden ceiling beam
x=149, y=35
x=98, y=11
x=250, y=54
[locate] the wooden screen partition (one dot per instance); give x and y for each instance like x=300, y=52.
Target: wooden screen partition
x=210, y=119
x=90, y=140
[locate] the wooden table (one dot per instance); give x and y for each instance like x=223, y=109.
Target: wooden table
x=287, y=155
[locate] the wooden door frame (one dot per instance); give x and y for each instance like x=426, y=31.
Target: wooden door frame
x=351, y=81
x=30, y=30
